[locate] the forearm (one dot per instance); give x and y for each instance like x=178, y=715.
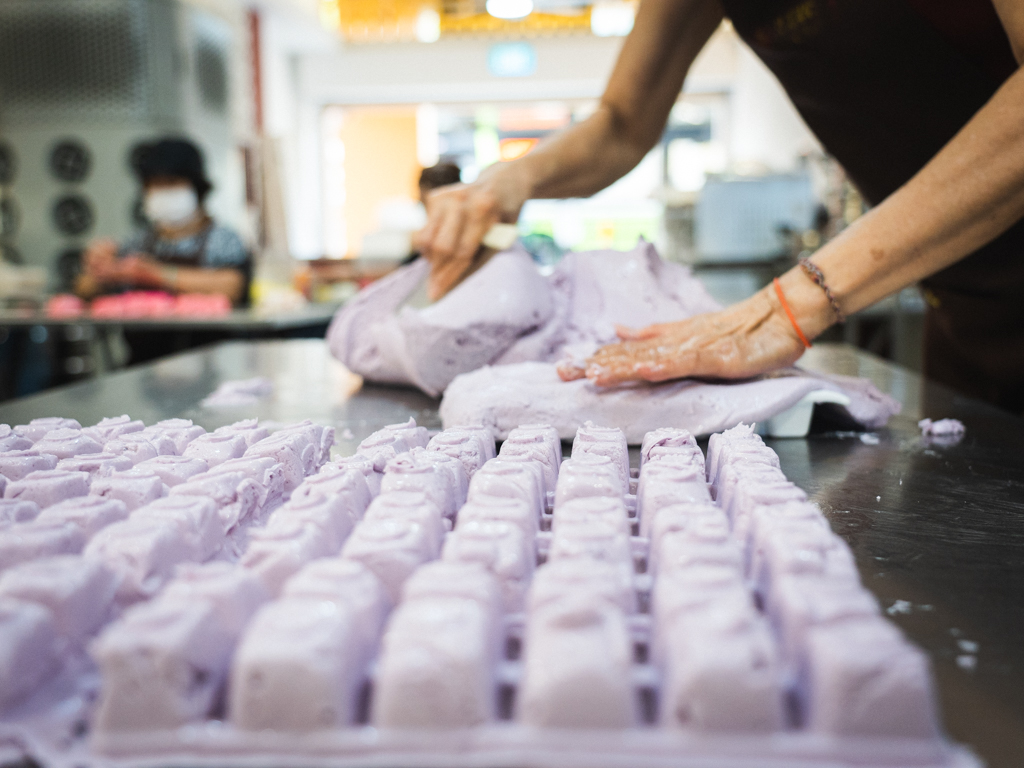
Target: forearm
x=648, y=76
x=968, y=194
x=192, y=280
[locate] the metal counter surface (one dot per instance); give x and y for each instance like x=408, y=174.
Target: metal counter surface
x=237, y=321
x=938, y=530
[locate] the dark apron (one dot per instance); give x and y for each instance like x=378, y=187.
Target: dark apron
x=884, y=91
x=194, y=258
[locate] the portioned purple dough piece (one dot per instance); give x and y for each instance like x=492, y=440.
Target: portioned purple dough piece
x=48, y=486
x=503, y=396
x=143, y=552
x=942, y=427
x=588, y=475
x=413, y=472
x=34, y=539
x=452, y=469
x=569, y=578
x=741, y=490
x=36, y=429
x=172, y=470
x=331, y=514
x=135, y=489
x=725, y=682
x=265, y=473
x=162, y=666
x=595, y=540
x=17, y=511
x=342, y=485
x=604, y=441
x=108, y=429
x=677, y=517
x=235, y=494
x=371, y=469
x=348, y=583
x=195, y=517
x=78, y=592
x=298, y=667
x=510, y=479
x=90, y=513
x=798, y=603
x=28, y=649
x=597, y=509
x=545, y=433
x=14, y=465
x=181, y=431
x=534, y=447
x=464, y=445
x=668, y=441
x=392, y=548
x=96, y=464
x=502, y=549
x=414, y=506
x=9, y=441
x=702, y=598
x=65, y=443
x=280, y=550
x=465, y=580
x=320, y=437
x=436, y=667
x=141, y=446
x=507, y=510
x=678, y=549
x=809, y=551
x=663, y=484
x=216, y=448
x=577, y=667
x=862, y=678
x=293, y=451
x=234, y=591
x=250, y=430
x=741, y=433
x=406, y=434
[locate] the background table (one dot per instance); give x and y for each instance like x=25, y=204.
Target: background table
x=938, y=531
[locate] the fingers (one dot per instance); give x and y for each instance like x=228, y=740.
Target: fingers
x=568, y=371
x=443, y=277
x=639, y=334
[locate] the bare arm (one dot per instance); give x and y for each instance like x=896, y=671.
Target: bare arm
x=967, y=195
x=587, y=157
x=144, y=271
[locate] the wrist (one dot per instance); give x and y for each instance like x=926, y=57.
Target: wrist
x=169, y=277
x=810, y=306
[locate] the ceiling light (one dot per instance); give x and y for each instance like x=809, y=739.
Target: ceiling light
x=428, y=26
x=510, y=9
x=612, y=18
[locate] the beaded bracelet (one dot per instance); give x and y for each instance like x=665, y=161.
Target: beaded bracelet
x=814, y=272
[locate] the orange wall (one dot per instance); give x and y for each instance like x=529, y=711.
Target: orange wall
x=380, y=162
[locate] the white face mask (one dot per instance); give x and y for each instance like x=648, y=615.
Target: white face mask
x=171, y=206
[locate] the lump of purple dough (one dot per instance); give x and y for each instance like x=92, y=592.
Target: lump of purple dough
x=371, y=469
x=597, y=540
x=331, y=514
x=417, y=473
x=250, y=430
x=236, y=496
x=501, y=509
x=414, y=506
x=463, y=445
x=669, y=441
x=345, y=486
x=568, y=578
x=265, y=473
x=663, y=484
x=509, y=479
x=598, y=509
x=278, y=551
x=235, y=592
x=108, y=429
x=604, y=441
x=195, y=517
x=181, y=431
x=9, y=441
x=216, y=448
x=588, y=475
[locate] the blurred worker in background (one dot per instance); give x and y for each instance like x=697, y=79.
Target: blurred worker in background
x=183, y=250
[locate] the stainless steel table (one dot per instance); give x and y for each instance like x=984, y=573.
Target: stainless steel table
x=938, y=531
x=238, y=320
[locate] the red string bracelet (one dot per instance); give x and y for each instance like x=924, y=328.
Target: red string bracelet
x=789, y=312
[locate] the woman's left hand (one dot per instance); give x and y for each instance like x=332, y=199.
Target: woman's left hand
x=141, y=270
x=747, y=339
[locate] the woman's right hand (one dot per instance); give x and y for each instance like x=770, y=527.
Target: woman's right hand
x=458, y=217
x=100, y=261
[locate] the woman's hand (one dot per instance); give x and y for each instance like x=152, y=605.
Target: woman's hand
x=138, y=269
x=458, y=217
x=747, y=339
x=99, y=262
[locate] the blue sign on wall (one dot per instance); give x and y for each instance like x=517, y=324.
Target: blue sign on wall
x=512, y=60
